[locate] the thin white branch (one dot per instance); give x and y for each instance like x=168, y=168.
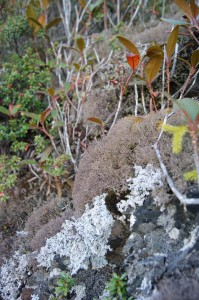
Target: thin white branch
x=117, y=111
x=68, y=149
x=136, y=99
x=80, y=17
x=127, y=9
x=110, y=20
x=195, y=77
x=134, y=15
x=193, y=239
x=175, y=59
x=34, y=173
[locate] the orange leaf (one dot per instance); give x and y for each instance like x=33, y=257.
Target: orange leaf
x=96, y=120
x=133, y=60
x=42, y=20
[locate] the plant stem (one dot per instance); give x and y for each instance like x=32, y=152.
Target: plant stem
x=122, y=90
x=191, y=73
x=168, y=82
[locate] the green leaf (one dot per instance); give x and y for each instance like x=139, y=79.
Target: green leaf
x=175, y=22
x=67, y=87
x=53, y=23
x=33, y=116
x=95, y=5
x=4, y=110
x=154, y=50
x=58, y=124
x=91, y=62
x=172, y=40
x=195, y=58
x=54, y=113
x=128, y=44
x=137, y=79
x=152, y=67
x=185, y=7
x=28, y=162
x=189, y=106
x=80, y=44
x=44, y=155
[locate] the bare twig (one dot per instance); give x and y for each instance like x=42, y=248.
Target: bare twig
x=122, y=90
x=134, y=15
x=136, y=99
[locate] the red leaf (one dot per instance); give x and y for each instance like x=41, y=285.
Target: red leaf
x=133, y=60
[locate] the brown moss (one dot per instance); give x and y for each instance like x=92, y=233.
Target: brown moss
x=100, y=103
x=45, y=221
x=47, y=230
x=42, y=215
x=107, y=164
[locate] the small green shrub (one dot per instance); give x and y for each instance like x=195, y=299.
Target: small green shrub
x=8, y=174
x=64, y=284
x=15, y=32
x=117, y=287
x=23, y=83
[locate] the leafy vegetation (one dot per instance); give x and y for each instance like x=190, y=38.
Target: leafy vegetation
x=8, y=173
x=64, y=285
x=117, y=288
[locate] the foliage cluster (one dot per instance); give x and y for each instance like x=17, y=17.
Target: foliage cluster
x=8, y=173
x=117, y=287
x=14, y=33
x=64, y=285
x=23, y=84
